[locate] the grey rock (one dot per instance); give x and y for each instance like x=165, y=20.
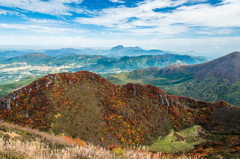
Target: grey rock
x=24, y=89
x=26, y=114
x=134, y=90
x=36, y=86
x=51, y=77
x=163, y=100
x=8, y=103
x=160, y=99
x=166, y=101
x=48, y=83
x=30, y=90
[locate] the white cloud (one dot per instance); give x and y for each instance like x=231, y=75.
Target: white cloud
x=69, y=1
x=181, y=20
x=40, y=28
x=6, y=12
x=117, y=1
x=54, y=7
x=44, y=21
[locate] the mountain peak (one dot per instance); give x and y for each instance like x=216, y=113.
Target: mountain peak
x=122, y=48
x=117, y=48
x=36, y=54
x=234, y=54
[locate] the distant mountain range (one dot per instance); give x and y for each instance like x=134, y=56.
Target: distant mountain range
x=99, y=63
x=215, y=80
x=42, y=59
x=133, y=51
x=143, y=61
x=117, y=51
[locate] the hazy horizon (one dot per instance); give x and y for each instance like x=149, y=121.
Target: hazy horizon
x=40, y=49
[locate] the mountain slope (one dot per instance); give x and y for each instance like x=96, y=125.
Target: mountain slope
x=33, y=59
x=144, y=61
x=42, y=59
x=87, y=106
x=99, y=63
x=224, y=67
x=211, y=81
x=62, y=52
x=11, y=54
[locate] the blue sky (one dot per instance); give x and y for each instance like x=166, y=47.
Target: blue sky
x=205, y=26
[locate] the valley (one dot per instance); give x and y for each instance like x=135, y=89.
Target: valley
x=38, y=65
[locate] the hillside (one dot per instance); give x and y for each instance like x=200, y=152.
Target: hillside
x=33, y=59
x=42, y=59
x=224, y=67
x=143, y=61
x=26, y=143
x=10, y=54
x=85, y=105
x=99, y=63
x=39, y=65
x=211, y=81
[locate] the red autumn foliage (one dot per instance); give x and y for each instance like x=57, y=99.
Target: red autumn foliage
x=129, y=123
x=112, y=146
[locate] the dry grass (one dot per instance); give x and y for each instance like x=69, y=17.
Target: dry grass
x=36, y=149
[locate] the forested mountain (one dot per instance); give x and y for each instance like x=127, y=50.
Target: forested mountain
x=99, y=63
x=215, y=80
x=85, y=105
x=10, y=54
x=32, y=59
x=117, y=51
x=42, y=59
x=143, y=61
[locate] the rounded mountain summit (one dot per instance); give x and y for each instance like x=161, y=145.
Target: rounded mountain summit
x=85, y=105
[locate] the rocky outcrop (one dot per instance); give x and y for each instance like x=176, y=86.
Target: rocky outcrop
x=162, y=99
x=6, y=101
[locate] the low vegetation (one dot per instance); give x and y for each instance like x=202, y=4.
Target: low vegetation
x=181, y=141
x=26, y=143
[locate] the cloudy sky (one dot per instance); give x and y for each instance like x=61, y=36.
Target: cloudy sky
x=205, y=26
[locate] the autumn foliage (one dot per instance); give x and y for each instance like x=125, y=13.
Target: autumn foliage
x=86, y=106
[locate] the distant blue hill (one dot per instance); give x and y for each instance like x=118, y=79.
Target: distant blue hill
x=117, y=51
